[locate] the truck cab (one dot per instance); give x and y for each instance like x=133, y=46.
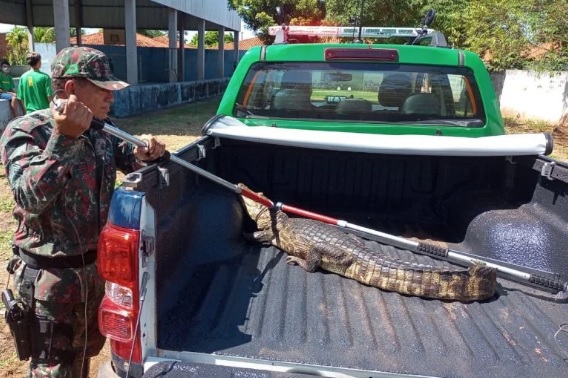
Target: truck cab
x=374, y=88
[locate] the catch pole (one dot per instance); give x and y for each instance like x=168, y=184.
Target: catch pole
x=513, y=273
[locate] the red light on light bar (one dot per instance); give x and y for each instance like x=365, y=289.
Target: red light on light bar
x=385, y=55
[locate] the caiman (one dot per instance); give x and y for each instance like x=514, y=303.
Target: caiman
x=312, y=244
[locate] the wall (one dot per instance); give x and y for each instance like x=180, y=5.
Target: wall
x=3, y=46
x=141, y=98
x=153, y=63
x=47, y=52
x=5, y=114
x=532, y=95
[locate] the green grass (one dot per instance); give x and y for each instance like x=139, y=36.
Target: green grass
x=181, y=120
x=515, y=125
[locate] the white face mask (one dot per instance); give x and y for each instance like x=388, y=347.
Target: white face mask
x=6, y=69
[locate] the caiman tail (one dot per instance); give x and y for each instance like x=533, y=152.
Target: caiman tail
x=312, y=244
x=474, y=284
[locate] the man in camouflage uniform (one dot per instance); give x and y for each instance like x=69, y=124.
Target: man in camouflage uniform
x=62, y=174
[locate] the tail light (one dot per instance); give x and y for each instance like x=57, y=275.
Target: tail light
x=370, y=54
x=118, y=312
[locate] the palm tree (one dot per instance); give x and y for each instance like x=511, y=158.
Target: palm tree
x=44, y=35
x=17, y=40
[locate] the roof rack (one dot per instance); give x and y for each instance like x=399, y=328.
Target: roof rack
x=348, y=31
x=286, y=34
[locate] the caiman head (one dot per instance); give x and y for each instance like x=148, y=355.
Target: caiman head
x=258, y=212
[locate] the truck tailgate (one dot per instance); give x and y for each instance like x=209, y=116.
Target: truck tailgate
x=254, y=305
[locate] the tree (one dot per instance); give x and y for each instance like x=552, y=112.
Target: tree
x=211, y=39
x=258, y=15
x=548, y=27
x=373, y=12
x=47, y=35
x=44, y=35
x=521, y=34
x=151, y=33
x=17, y=40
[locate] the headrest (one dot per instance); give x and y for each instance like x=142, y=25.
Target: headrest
x=394, y=89
x=296, y=79
x=421, y=103
x=354, y=105
x=291, y=99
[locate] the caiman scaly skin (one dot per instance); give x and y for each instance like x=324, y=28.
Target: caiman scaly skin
x=312, y=244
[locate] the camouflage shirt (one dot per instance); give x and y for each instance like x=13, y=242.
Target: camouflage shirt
x=62, y=186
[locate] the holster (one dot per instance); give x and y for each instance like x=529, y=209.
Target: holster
x=33, y=334
x=17, y=317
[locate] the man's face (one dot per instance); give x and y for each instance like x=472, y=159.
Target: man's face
x=5, y=68
x=95, y=98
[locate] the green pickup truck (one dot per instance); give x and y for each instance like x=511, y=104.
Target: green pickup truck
x=402, y=139
x=378, y=89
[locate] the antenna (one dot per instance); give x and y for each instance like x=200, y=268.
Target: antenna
x=437, y=37
x=361, y=20
x=281, y=35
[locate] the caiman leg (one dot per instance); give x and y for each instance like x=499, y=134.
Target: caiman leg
x=264, y=236
x=315, y=256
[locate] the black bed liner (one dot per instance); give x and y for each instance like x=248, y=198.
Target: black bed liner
x=220, y=295
x=255, y=305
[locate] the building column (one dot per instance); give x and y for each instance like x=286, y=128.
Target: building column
x=130, y=37
x=61, y=22
x=172, y=41
x=221, y=51
x=236, y=36
x=78, y=21
x=201, y=49
x=181, y=47
x=30, y=24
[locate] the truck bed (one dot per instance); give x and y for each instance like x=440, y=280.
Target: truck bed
x=222, y=296
x=254, y=305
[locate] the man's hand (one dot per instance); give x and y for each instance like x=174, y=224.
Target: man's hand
x=154, y=150
x=74, y=119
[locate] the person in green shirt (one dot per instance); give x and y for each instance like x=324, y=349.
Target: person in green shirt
x=7, y=90
x=34, y=88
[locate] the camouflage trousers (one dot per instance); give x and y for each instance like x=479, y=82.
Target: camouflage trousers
x=64, y=330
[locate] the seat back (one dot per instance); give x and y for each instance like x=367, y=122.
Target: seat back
x=422, y=103
x=291, y=99
x=353, y=105
x=394, y=89
x=295, y=91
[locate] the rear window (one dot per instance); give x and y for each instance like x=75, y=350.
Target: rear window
x=362, y=92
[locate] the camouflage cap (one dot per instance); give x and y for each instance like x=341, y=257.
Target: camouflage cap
x=86, y=62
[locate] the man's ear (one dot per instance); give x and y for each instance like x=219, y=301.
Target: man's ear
x=69, y=87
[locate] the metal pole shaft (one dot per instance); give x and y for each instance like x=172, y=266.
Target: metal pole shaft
x=140, y=143
x=525, y=277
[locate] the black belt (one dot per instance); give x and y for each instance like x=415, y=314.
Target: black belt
x=43, y=262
